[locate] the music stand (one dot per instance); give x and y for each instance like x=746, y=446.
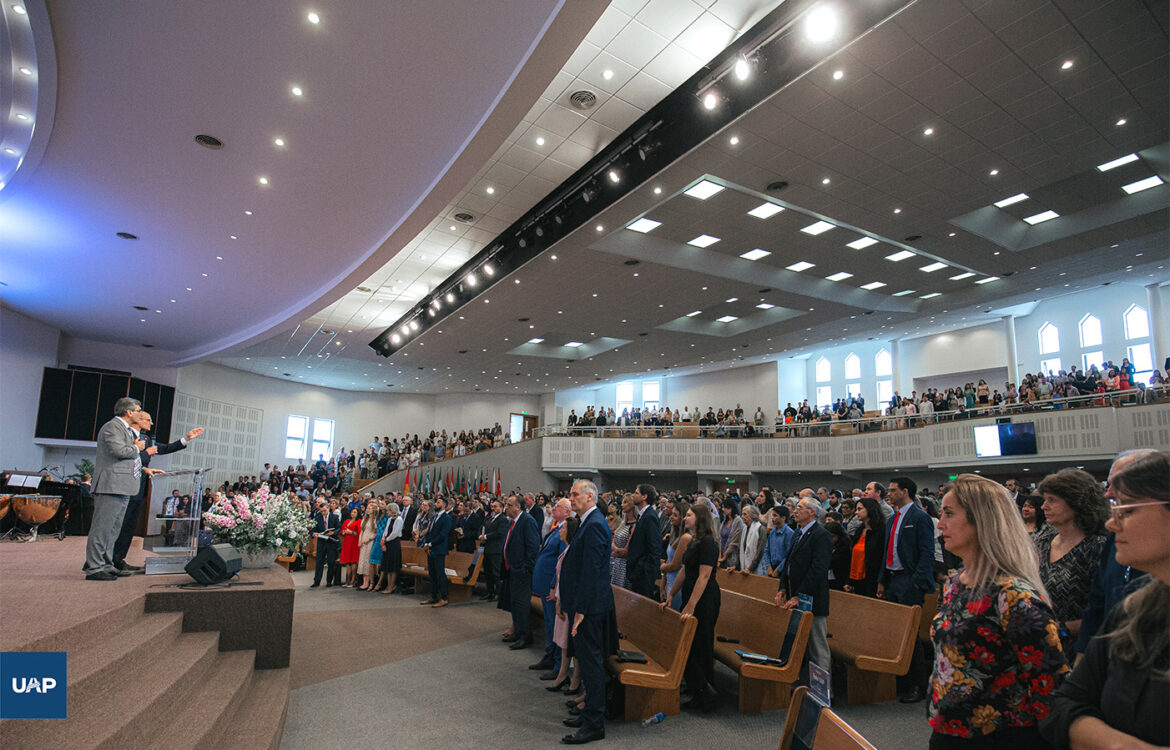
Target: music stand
x=173, y=560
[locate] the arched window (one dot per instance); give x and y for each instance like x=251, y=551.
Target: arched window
x=883, y=363
x=824, y=370
x=852, y=367
x=1049, y=339
x=1137, y=322
x=1090, y=331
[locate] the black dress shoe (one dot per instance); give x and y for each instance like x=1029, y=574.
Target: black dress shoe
x=580, y=738
x=549, y=676
x=101, y=576
x=572, y=703
x=509, y=639
x=122, y=573
x=128, y=566
x=573, y=691
x=574, y=722
x=542, y=664
x=574, y=711
x=315, y=585
x=518, y=645
x=913, y=695
x=557, y=687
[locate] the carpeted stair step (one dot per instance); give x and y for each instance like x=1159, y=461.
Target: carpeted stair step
x=110, y=661
x=206, y=706
x=258, y=720
x=105, y=624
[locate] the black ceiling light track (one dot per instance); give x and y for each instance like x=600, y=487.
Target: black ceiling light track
x=777, y=54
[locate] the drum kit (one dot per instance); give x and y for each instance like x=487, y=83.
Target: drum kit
x=31, y=510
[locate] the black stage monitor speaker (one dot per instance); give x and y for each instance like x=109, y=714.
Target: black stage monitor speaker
x=214, y=564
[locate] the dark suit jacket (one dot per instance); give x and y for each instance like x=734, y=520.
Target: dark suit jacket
x=585, y=587
x=523, y=545
x=545, y=571
x=408, y=518
x=494, y=531
x=537, y=514
x=807, y=568
x=439, y=535
x=915, y=547
x=471, y=523
x=644, y=551
x=326, y=522
x=163, y=449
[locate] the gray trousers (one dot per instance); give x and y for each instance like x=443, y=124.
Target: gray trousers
x=108, y=512
x=817, y=652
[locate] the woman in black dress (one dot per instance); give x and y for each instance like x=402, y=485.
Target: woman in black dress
x=700, y=596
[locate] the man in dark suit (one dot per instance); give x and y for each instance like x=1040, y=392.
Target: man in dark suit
x=521, y=545
x=644, y=551
x=534, y=510
x=469, y=525
x=494, y=531
x=436, y=544
x=587, y=600
x=143, y=423
x=326, y=528
x=117, y=472
x=909, y=571
x=806, y=571
x=543, y=575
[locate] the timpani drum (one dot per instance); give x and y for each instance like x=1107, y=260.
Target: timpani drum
x=35, y=510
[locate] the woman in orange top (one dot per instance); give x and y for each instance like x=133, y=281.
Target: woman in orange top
x=869, y=549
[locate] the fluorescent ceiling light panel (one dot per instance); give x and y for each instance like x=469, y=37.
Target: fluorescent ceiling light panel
x=799, y=266
x=1041, y=217
x=765, y=210
x=765, y=306
x=818, y=228
x=931, y=295
x=900, y=255
x=873, y=285
x=1140, y=185
x=703, y=240
x=861, y=244
x=904, y=292
x=727, y=318
x=1012, y=200
x=988, y=280
x=535, y=341
x=1117, y=162
x=962, y=276
x=644, y=225
x=933, y=267
x=755, y=254
x=704, y=190
x=693, y=314
x=732, y=299
x=839, y=276
x=574, y=344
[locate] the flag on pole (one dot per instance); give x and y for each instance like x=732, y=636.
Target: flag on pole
x=499, y=488
x=406, y=483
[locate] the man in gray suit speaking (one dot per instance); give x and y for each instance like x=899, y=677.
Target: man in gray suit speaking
x=117, y=473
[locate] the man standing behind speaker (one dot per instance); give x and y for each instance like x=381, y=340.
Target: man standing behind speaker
x=143, y=423
x=117, y=472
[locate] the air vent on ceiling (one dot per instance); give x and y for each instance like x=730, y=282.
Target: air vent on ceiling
x=140, y=307
x=209, y=141
x=777, y=186
x=287, y=374
x=364, y=289
x=583, y=99
x=523, y=320
x=913, y=238
x=464, y=217
x=463, y=351
x=127, y=236
x=632, y=262
x=149, y=346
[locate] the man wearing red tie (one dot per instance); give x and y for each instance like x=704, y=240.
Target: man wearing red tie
x=521, y=545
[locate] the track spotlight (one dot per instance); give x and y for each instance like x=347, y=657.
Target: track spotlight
x=614, y=177
x=742, y=68
x=489, y=270
x=820, y=25
x=710, y=100
x=470, y=279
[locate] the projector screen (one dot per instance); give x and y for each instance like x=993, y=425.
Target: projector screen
x=993, y=440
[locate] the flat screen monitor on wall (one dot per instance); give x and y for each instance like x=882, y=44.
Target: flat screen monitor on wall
x=1015, y=439
x=75, y=402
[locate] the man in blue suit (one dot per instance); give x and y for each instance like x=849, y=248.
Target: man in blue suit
x=521, y=545
x=437, y=542
x=542, y=582
x=644, y=551
x=587, y=600
x=909, y=570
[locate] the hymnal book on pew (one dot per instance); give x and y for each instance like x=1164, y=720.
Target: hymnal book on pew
x=634, y=657
x=761, y=659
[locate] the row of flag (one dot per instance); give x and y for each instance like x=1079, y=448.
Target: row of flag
x=436, y=479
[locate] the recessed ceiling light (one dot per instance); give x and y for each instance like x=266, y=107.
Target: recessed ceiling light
x=219, y=257
x=1042, y=216
x=644, y=225
x=278, y=141
x=962, y=276
x=710, y=100
x=733, y=140
x=19, y=9
x=297, y=91
x=247, y=213
x=658, y=191
x=826, y=181
x=25, y=71
x=727, y=318
x=21, y=116
x=988, y=280
x=535, y=341
x=205, y=276
x=928, y=131
x=732, y=299
x=703, y=240
x=600, y=227
x=897, y=210
x=1117, y=162
x=491, y=190
x=765, y=306
x=693, y=314
x=1066, y=64
x=862, y=243
x=903, y=293
x=993, y=172
x=799, y=266
x=1121, y=122
x=819, y=227
x=704, y=190
x=900, y=256
x=10, y=151
x=607, y=74
x=313, y=17
x=1140, y=185
x=930, y=296
x=1012, y=200
x=933, y=267
x=839, y=276
x=573, y=344
x=765, y=210
x=838, y=75
x=755, y=254
x=233, y=237
x=263, y=180
x=873, y=285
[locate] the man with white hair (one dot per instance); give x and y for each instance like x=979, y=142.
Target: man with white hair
x=806, y=571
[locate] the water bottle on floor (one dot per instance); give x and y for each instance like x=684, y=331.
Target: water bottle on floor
x=655, y=719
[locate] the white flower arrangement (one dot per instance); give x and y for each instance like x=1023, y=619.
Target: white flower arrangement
x=260, y=522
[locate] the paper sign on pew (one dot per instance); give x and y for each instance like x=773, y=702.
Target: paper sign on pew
x=820, y=684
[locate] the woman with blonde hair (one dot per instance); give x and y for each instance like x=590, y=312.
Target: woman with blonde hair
x=366, y=540
x=1118, y=694
x=997, y=647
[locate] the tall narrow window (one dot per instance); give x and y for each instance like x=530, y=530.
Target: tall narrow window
x=295, y=437
x=824, y=396
x=651, y=394
x=1090, y=331
x=1049, y=339
x=1142, y=360
x=625, y=396
x=824, y=370
x=884, y=364
x=885, y=392
x=1093, y=359
x=1050, y=366
x=853, y=367
x=853, y=390
x=322, y=439
x=1137, y=323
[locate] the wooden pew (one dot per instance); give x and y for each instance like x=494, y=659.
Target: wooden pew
x=875, y=639
x=757, y=587
x=760, y=628
x=665, y=638
x=414, y=563
x=829, y=731
x=929, y=610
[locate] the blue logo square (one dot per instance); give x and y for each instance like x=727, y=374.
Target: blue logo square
x=33, y=685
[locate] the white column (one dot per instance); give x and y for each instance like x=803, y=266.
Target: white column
x=896, y=363
x=1009, y=330
x=1158, y=332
